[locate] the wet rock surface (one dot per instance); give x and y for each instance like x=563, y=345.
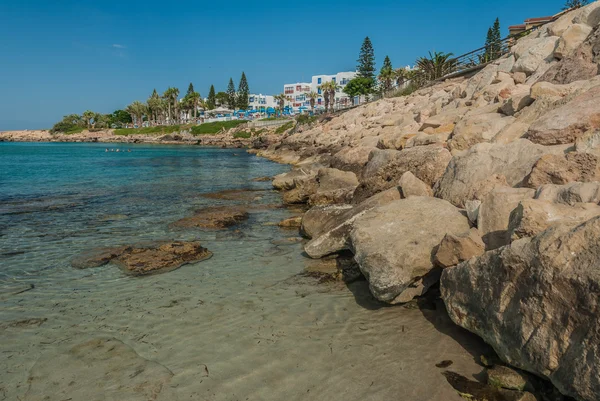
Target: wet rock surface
x=214, y=217
x=145, y=259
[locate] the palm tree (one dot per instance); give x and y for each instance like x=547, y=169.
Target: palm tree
x=155, y=105
x=437, y=65
x=328, y=89
x=312, y=97
x=171, y=95
x=280, y=99
x=386, y=78
x=192, y=101
x=137, y=110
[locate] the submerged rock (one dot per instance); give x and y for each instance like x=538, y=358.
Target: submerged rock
x=536, y=302
x=214, y=217
x=242, y=195
x=292, y=222
x=504, y=377
x=162, y=258
x=145, y=259
x=98, y=370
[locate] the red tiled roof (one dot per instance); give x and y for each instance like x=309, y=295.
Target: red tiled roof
x=540, y=19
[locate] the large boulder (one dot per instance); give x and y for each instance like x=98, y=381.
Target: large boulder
x=467, y=170
x=570, y=194
x=494, y=214
x=287, y=181
x=332, y=235
x=394, y=244
x=351, y=158
x=571, y=39
x=536, y=302
x=334, y=187
x=316, y=219
x=480, y=128
x=562, y=169
x=532, y=216
x=567, y=123
x=580, y=64
x=534, y=53
x=589, y=143
x=386, y=167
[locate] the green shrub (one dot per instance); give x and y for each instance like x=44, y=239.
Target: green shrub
x=216, y=127
x=242, y=134
x=159, y=130
x=306, y=119
x=285, y=127
x=273, y=119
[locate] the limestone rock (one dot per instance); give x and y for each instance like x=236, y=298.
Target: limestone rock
x=533, y=53
x=393, y=244
x=562, y=169
x=536, y=303
x=385, y=168
x=567, y=123
x=97, y=370
x=334, y=186
x=455, y=249
x=333, y=234
x=589, y=143
x=317, y=217
x=351, y=158
x=570, y=194
x=571, y=39
x=214, y=217
x=504, y=377
x=396, y=141
x=412, y=186
x=511, y=133
x=533, y=216
x=580, y=64
x=494, y=214
x=292, y=222
x=481, y=128
x=472, y=209
x=518, y=100
x=514, y=161
x=286, y=181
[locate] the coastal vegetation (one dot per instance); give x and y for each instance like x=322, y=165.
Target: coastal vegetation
x=285, y=127
x=215, y=127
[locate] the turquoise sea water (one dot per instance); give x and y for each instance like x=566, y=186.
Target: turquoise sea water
x=59, y=199
x=242, y=325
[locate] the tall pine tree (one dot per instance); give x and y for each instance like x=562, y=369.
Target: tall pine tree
x=366, y=60
x=231, y=98
x=243, y=93
x=386, y=75
x=496, y=39
x=489, y=48
x=190, y=89
x=211, y=102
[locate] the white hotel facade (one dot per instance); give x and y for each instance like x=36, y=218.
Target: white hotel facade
x=296, y=93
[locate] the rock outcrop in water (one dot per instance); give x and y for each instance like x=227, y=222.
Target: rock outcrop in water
x=493, y=177
x=142, y=260
x=214, y=217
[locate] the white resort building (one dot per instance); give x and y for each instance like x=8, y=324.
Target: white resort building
x=341, y=79
x=296, y=94
x=261, y=102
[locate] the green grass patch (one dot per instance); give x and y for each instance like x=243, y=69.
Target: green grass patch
x=216, y=127
x=160, y=130
x=273, y=119
x=242, y=134
x=285, y=127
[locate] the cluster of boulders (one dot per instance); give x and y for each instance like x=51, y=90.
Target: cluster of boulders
x=488, y=184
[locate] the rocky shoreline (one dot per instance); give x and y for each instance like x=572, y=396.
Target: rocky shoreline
x=225, y=140
x=486, y=187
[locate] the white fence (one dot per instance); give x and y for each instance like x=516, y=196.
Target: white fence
x=271, y=123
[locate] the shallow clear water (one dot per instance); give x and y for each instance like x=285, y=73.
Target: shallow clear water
x=261, y=331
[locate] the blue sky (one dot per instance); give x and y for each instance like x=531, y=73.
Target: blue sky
x=65, y=56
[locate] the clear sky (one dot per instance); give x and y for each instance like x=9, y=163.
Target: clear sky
x=65, y=56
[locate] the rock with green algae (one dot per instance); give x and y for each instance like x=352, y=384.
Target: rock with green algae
x=505, y=377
